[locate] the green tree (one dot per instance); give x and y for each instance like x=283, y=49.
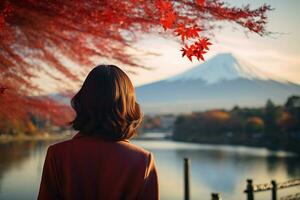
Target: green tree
x=254, y=125
x=292, y=106
x=270, y=118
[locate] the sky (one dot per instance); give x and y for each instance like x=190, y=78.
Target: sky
x=278, y=54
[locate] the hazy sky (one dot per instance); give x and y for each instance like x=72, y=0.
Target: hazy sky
x=278, y=54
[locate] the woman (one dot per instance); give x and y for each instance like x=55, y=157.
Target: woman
x=100, y=162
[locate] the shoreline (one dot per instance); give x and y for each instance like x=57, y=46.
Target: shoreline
x=39, y=137
x=297, y=153
x=69, y=134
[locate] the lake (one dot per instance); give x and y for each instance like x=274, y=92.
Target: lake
x=214, y=168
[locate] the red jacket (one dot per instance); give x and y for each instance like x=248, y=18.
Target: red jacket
x=89, y=168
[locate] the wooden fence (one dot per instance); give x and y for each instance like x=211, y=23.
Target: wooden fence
x=273, y=186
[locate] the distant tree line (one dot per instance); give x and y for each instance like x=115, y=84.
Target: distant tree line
x=157, y=123
x=272, y=126
x=33, y=125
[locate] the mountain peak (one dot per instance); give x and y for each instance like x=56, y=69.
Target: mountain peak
x=224, y=66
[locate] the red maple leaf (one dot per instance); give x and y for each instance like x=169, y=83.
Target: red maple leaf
x=180, y=30
x=200, y=2
x=204, y=43
x=197, y=49
x=199, y=54
x=188, y=52
x=168, y=20
x=164, y=5
x=193, y=32
x=187, y=32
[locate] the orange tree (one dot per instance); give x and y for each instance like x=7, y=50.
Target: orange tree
x=35, y=33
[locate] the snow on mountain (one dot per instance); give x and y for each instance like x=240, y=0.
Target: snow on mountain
x=223, y=67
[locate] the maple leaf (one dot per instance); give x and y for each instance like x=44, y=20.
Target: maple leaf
x=200, y=2
x=167, y=13
x=188, y=51
x=187, y=32
x=193, y=32
x=164, y=5
x=204, y=43
x=180, y=30
x=199, y=54
x=168, y=21
x=197, y=49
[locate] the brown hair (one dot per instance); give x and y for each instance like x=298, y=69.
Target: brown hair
x=106, y=105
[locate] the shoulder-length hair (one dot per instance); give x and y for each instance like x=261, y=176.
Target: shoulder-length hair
x=106, y=105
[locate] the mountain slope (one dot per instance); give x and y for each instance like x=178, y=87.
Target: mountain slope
x=223, y=67
x=221, y=82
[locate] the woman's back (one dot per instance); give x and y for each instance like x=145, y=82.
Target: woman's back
x=100, y=163
x=87, y=167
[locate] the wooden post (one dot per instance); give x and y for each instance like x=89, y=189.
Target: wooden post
x=249, y=190
x=274, y=190
x=186, y=179
x=216, y=196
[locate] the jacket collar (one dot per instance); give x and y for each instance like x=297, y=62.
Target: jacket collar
x=80, y=135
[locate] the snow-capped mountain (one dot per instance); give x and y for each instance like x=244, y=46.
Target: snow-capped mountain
x=223, y=67
x=221, y=82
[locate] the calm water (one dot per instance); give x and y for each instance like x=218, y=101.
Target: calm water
x=221, y=169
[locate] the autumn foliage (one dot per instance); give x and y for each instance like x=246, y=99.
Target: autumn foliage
x=272, y=126
x=37, y=37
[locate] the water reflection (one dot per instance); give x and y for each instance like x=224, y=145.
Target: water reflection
x=227, y=171
x=214, y=168
x=221, y=168
x=21, y=163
